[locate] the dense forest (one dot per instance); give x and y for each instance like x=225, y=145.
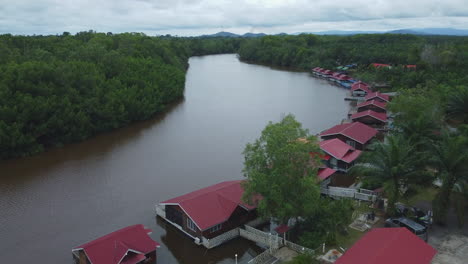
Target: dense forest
x=65, y=88
x=61, y=89
x=439, y=59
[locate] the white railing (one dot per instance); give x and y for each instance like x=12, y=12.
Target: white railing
x=216, y=241
x=298, y=248
x=359, y=194
x=161, y=210
x=261, y=237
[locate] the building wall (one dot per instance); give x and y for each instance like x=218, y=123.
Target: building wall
x=239, y=217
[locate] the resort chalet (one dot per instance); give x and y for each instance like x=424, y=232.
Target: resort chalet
x=360, y=89
x=356, y=134
x=373, y=105
x=341, y=155
x=378, y=97
x=388, y=246
x=209, y=212
x=370, y=117
x=129, y=245
x=324, y=175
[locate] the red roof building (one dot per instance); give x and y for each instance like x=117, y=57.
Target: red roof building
x=356, y=134
x=370, y=117
x=360, y=89
x=373, y=105
x=381, y=65
x=209, y=212
x=388, y=246
x=378, y=97
x=325, y=173
x=342, y=154
x=129, y=245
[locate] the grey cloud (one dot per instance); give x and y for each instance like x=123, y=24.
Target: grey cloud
x=55, y=16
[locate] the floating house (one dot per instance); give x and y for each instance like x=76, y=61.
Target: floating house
x=378, y=97
x=341, y=155
x=357, y=135
x=209, y=212
x=334, y=77
x=370, y=117
x=373, y=105
x=360, y=89
x=129, y=245
x=326, y=74
x=388, y=246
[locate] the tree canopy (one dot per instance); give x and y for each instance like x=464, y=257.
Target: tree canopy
x=279, y=167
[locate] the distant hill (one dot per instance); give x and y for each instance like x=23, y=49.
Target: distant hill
x=413, y=31
x=224, y=34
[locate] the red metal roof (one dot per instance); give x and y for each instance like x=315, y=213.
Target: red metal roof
x=212, y=205
x=372, y=96
x=113, y=248
x=324, y=173
x=356, y=131
x=281, y=229
x=339, y=150
x=379, y=116
x=378, y=65
x=373, y=102
x=360, y=86
x=388, y=246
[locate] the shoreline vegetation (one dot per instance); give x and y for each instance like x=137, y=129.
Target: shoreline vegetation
x=61, y=89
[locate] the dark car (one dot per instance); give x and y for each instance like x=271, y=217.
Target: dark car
x=415, y=214
x=411, y=225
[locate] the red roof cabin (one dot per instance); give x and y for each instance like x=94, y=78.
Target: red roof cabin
x=129, y=245
x=209, y=212
x=342, y=155
x=360, y=89
x=388, y=246
x=357, y=135
x=381, y=65
x=378, y=97
x=335, y=76
x=373, y=105
x=370, y=117
x=326, y=73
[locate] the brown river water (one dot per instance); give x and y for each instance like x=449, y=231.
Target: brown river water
x=54, y=201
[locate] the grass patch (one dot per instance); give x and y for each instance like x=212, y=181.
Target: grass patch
x=421, y=194
x=346, y=241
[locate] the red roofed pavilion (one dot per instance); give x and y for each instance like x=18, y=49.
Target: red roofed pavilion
x=208, y=212
x=373, y=105
x=388, y=246
x=342, y=154
x=354, y=134
x=370, y=117
x=378, y=97
x=360, y=89
x=129, y=245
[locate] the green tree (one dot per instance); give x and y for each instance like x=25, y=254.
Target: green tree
x=278, y=167
x=457, y=105
x=396, y=163
x=451, y=163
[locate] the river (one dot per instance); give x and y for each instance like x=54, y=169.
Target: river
x=62, y=198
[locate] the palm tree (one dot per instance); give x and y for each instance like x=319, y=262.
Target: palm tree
x=451, y=162
x=457, y=105
x=395, y=163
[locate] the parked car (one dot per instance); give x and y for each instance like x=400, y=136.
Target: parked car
x=415, y=214
x=411, y=225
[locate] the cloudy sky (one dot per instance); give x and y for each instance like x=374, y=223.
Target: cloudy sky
x=195, y=17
